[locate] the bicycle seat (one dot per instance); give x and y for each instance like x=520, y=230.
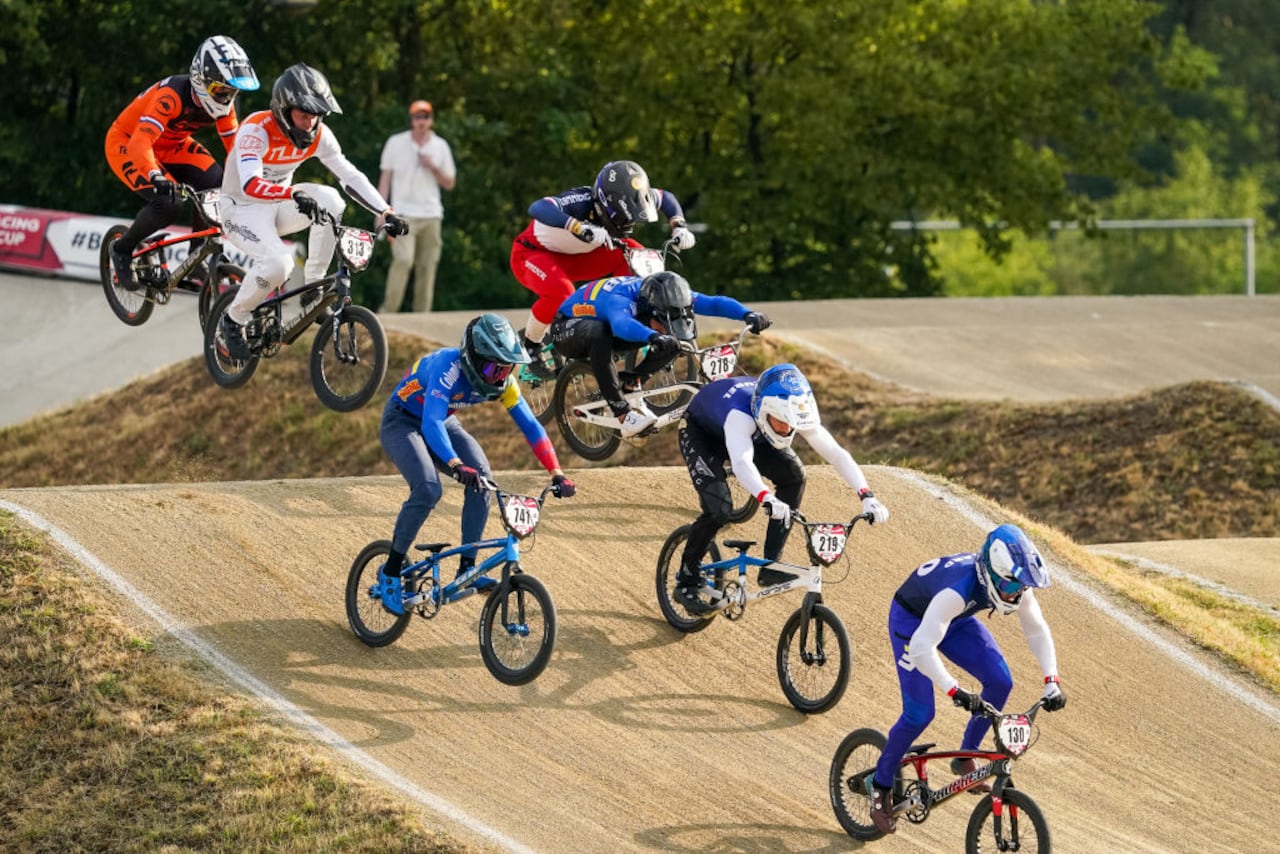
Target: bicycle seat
x=434, y=548
x=740, y=545
x=923, y=747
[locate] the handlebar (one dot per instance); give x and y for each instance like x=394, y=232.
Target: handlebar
x=490, y=485
x=322, y=216
x=799, y=517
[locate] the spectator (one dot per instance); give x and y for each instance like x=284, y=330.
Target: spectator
x=416, y=165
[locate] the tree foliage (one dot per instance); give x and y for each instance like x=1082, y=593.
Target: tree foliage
x=797, y=132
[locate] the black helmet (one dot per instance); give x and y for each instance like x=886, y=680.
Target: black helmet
x=623, y=198
x=302, y=87
x=667, y=298
x=490, y=349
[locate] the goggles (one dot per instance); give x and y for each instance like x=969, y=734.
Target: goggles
x=1008, y=589
x=495, y=373
x=221, y=92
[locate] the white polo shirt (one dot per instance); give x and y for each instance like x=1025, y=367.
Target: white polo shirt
x=414, y=189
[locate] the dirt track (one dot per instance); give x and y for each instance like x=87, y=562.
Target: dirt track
x=638, y=738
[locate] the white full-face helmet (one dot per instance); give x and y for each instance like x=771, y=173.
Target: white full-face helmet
x=220, y=70
x=783, y=403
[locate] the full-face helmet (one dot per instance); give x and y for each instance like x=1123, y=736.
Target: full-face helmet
x=622, y=197
x=490, y=350
x=667, y=298
x=1008, y=564
x=301, y=87
x=783, y=403
x=219, y=71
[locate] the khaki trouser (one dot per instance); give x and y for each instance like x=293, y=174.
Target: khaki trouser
x=418, y=250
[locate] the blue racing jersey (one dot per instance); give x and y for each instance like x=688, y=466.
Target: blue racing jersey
x=715, y=400
x=613, y=300
x=956, y=572
x=436, y=387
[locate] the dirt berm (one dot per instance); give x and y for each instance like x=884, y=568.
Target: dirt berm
x=637, y=738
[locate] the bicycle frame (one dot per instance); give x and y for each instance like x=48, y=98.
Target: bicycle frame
x=207, y=256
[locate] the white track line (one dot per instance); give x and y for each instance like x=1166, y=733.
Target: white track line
x=1062, y=575
x=296, y=716
x=1173, y=572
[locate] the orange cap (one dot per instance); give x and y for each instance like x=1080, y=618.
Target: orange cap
x=420, y=107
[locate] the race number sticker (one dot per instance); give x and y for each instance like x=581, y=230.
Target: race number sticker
x=1015, y=733
x=521, y=513
x=828, y=542
x=357, y=247
x=719, y=362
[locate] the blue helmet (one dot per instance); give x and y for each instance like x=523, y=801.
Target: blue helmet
x=783, y=397
x=1008, y=564
x=489, y=351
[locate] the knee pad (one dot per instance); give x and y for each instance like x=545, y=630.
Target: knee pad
x=329, y=198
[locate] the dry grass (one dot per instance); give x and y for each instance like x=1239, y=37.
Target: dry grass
x=108, y=745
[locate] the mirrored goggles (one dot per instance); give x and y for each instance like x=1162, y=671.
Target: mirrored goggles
x=495, y=373
x=221, y=92
x=1009, y=589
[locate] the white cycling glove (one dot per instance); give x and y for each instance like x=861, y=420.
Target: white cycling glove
x=683, y=237
x=776, y=507
x=872, y=505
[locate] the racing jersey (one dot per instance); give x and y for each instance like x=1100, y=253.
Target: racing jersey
x=722, y=409
x=613, y=300
x=547, y=230
x=436, y=387
x=262, y=162
x=947, y=589
x=164, y=116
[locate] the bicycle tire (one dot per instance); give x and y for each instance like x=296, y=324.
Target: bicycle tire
x=808, y=678
x=854, y=759
x=132, y=307
x=744, y=503
x=577, y=385
x=514, y=653
x=665, y=582
x=1020, y=812
x=226, y=276
x=342, y=385
x=373, y=624
x=226, y=371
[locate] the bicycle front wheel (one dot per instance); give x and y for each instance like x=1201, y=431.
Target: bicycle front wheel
x=744, y=503
x=132, y=307
x=349, y=364
x=226, y=371
x=372, y=623
x=517, y=629
x=849, y=782
x=540, y=394
x=1022, y=826
x=577, y=386
x=665, y=582
x=226, y=276
x=814, y=674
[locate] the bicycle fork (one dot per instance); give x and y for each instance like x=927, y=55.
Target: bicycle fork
x=818, y=653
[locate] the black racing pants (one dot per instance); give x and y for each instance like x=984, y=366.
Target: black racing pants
x=705, y=456
x=590, y=338
x=159, y=211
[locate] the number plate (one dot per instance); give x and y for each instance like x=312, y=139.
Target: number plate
x=357, y=247
x=646, y=262
x=828, y=542
x=521, y=513
x=1015, y=733
x=719, y=362
x=209, y=205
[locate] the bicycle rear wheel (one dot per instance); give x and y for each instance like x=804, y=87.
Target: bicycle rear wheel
x=815, y=675
x=132, y=307
x=372, y=623
x=348, y=368
x=1022, y=826
x=226, y=371
x=517, y=629
x=577, y=386
x=849, y=782
x=665, y=582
